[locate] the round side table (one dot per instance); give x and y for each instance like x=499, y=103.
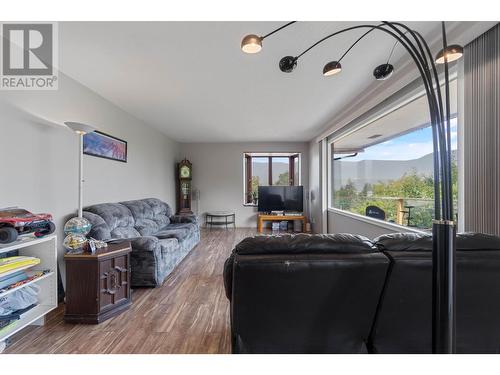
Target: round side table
x=221, y=218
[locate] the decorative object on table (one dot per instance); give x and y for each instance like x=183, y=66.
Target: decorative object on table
x=96, y=244
x=444, y=228
x=18, y=221
x=98, y=285
x=77, y=225
x=74, y=229
x=105, y=146
x=185, y=175
x=221, y=218
x=75, y=243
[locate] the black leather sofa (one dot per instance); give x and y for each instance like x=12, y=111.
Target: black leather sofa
x=403, y=321
x=343, y=293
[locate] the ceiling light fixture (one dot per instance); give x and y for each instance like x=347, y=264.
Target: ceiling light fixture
x=252, y=43
x=382, y=72
x=331, y=68
x=453, y=53
x=288, y=64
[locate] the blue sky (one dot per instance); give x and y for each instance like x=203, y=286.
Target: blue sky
x=407, y=147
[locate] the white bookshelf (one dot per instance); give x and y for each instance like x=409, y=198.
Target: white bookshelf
x=45, y=249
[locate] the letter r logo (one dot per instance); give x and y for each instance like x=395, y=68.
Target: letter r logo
x=27, y=49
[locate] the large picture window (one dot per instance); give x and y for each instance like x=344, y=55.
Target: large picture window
x=266, y=169
x=385, y=170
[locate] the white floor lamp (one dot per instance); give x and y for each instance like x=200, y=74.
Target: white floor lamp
x=77, y=228
x=81, y=130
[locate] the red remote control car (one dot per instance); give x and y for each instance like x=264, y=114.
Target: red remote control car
x=16, y=221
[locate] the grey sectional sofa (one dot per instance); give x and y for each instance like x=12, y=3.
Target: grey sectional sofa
x=160, y=240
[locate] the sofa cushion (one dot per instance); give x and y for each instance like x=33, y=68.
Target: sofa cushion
x=99, y=228
x=404, y=242
x=179, y=233
x=118, y=218
x=305, y=243
x=150, y=215
x=467, y=241
x=477, y=241
x=189, y=226
x=168, y=246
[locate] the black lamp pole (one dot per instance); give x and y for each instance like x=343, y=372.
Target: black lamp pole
x=444, y=231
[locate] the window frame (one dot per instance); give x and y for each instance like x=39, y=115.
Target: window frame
x=247, y=171
x=404, y=100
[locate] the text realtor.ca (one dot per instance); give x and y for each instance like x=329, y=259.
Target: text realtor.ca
x=28, y=56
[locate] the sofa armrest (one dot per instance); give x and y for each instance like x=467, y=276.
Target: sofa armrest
x=146, y=243
x=184, y=219
x=228, y=276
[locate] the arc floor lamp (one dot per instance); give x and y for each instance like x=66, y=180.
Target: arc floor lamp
x=443, y=229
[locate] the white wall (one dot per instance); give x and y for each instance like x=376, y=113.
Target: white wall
x=40, y=156
x=218, y=174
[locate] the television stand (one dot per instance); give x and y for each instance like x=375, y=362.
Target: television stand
x=261, y=218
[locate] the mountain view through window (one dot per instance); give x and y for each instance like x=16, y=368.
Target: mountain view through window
x=395, y=177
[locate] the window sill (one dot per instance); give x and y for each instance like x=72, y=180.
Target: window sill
x=250, y=204
x=377, y=222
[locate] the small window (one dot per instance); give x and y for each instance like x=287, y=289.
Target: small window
x=266, y=169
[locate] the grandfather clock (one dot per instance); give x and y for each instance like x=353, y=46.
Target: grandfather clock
x=185, y=175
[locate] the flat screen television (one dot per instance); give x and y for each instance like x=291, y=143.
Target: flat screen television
x=281, y=198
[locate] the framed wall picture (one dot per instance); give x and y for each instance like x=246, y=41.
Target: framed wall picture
x=105, y=146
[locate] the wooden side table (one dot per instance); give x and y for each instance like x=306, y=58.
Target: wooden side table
x=98, y=284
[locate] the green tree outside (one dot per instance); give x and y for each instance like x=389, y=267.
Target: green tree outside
x=283, y=179
x=416, y=190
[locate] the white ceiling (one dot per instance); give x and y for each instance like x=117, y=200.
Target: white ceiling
x=191, y=80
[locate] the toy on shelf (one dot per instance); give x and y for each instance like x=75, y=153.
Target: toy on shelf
x=18, y=221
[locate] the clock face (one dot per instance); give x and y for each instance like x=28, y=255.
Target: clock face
x=185, y=172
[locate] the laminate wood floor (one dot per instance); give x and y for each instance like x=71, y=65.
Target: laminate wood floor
x=189, y=313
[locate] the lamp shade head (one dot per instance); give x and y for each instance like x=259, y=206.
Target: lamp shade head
x=383, y=72
x=79, y=128
x=287, y=64
x=251, y=43
x=331, y=68
x=452, y=52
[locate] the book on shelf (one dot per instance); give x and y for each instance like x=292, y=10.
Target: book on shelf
x=11, y=264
